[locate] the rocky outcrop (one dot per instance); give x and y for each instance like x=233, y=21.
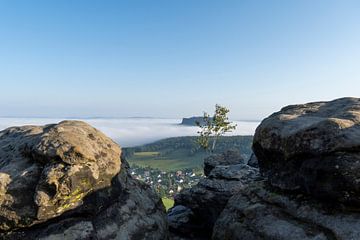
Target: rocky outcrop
x=309, y=155
x=229, y=157
x=309, y=159
x=193, y=121
x=181, y=221
x=259, y=212
x=313, y=148
x=66, y=181
x=202, y=204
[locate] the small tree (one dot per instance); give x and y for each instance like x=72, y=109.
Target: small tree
x=214, y=127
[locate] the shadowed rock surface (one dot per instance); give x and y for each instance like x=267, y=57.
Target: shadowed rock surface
x=202, y=204
x=66, y=181
x=229, y=157
x=313, y=148
x=180, y=219
x=253, y=161
x=259, y=213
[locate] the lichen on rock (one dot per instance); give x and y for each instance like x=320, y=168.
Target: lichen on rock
x=69, y=181
x=48, y=170
x=313, y=148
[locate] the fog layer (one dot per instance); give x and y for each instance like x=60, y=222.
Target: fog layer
x=130, y=132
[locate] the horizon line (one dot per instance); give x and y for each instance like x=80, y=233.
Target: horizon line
x=113, y=117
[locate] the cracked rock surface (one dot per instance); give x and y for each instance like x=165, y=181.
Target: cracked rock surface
x=259, y=212
x=313, y=148
x=68, y=181
x=202, y=204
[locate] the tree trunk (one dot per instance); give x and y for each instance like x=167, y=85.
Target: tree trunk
x=213, y=145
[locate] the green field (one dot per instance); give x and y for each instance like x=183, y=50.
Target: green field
x=170, y=162
x=182, y=152
x=146, y=154
x=168, y=203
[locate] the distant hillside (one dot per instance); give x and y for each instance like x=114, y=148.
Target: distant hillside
x=183, y=152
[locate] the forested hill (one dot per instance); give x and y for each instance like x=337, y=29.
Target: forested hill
x=183, y=152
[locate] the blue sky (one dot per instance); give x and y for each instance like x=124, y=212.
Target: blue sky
x=89, y=58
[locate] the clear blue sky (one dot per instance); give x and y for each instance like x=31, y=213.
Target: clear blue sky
x=89, y=58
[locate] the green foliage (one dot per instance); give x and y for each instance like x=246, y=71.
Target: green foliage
x=183, y=152
x=168, y=203
x=214, y=127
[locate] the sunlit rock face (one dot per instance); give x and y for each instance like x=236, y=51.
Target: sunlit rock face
x=68, y=181
x=313, y=148
x=48, y=170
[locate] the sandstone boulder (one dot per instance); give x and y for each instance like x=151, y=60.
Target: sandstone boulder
x=208, y=198
x=181, y=222
x=229, y=157
x=48, y=170
x=313, y=148
x=259, y=212
x=67, y=181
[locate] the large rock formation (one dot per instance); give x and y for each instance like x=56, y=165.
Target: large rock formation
x=313, y=148
x=66, y=181
x=259, y=212
x=193, y=121
x=309, y=155
x=196, y=209
x=309, y=158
